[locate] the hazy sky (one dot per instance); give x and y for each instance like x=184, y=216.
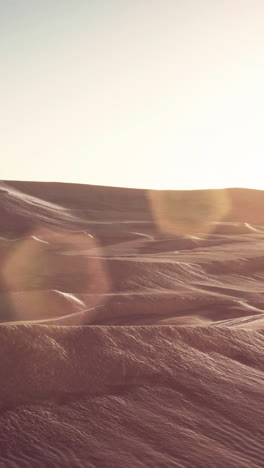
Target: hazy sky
x=139, y=93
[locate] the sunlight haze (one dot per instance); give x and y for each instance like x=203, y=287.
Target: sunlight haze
x=148, y=94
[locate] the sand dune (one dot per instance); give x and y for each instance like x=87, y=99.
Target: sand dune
x=132, y=327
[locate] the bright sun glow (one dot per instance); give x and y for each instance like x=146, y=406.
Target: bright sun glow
x=140, y=94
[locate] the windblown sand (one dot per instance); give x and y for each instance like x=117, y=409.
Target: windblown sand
x=132, y=327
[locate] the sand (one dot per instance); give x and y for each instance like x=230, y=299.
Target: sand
x=132, y=327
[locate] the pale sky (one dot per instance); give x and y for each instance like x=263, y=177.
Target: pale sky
x=133, y=93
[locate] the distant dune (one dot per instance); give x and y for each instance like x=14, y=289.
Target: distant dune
x=132, y=327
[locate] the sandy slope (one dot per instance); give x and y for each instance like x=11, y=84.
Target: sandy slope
x=132, y=327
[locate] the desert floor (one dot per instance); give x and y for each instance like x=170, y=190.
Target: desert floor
x=132, y=327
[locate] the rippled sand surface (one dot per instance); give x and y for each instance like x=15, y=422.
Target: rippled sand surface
x=132, y=327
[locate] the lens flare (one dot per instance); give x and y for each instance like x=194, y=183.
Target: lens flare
x=188, y=212
x=41, y=281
